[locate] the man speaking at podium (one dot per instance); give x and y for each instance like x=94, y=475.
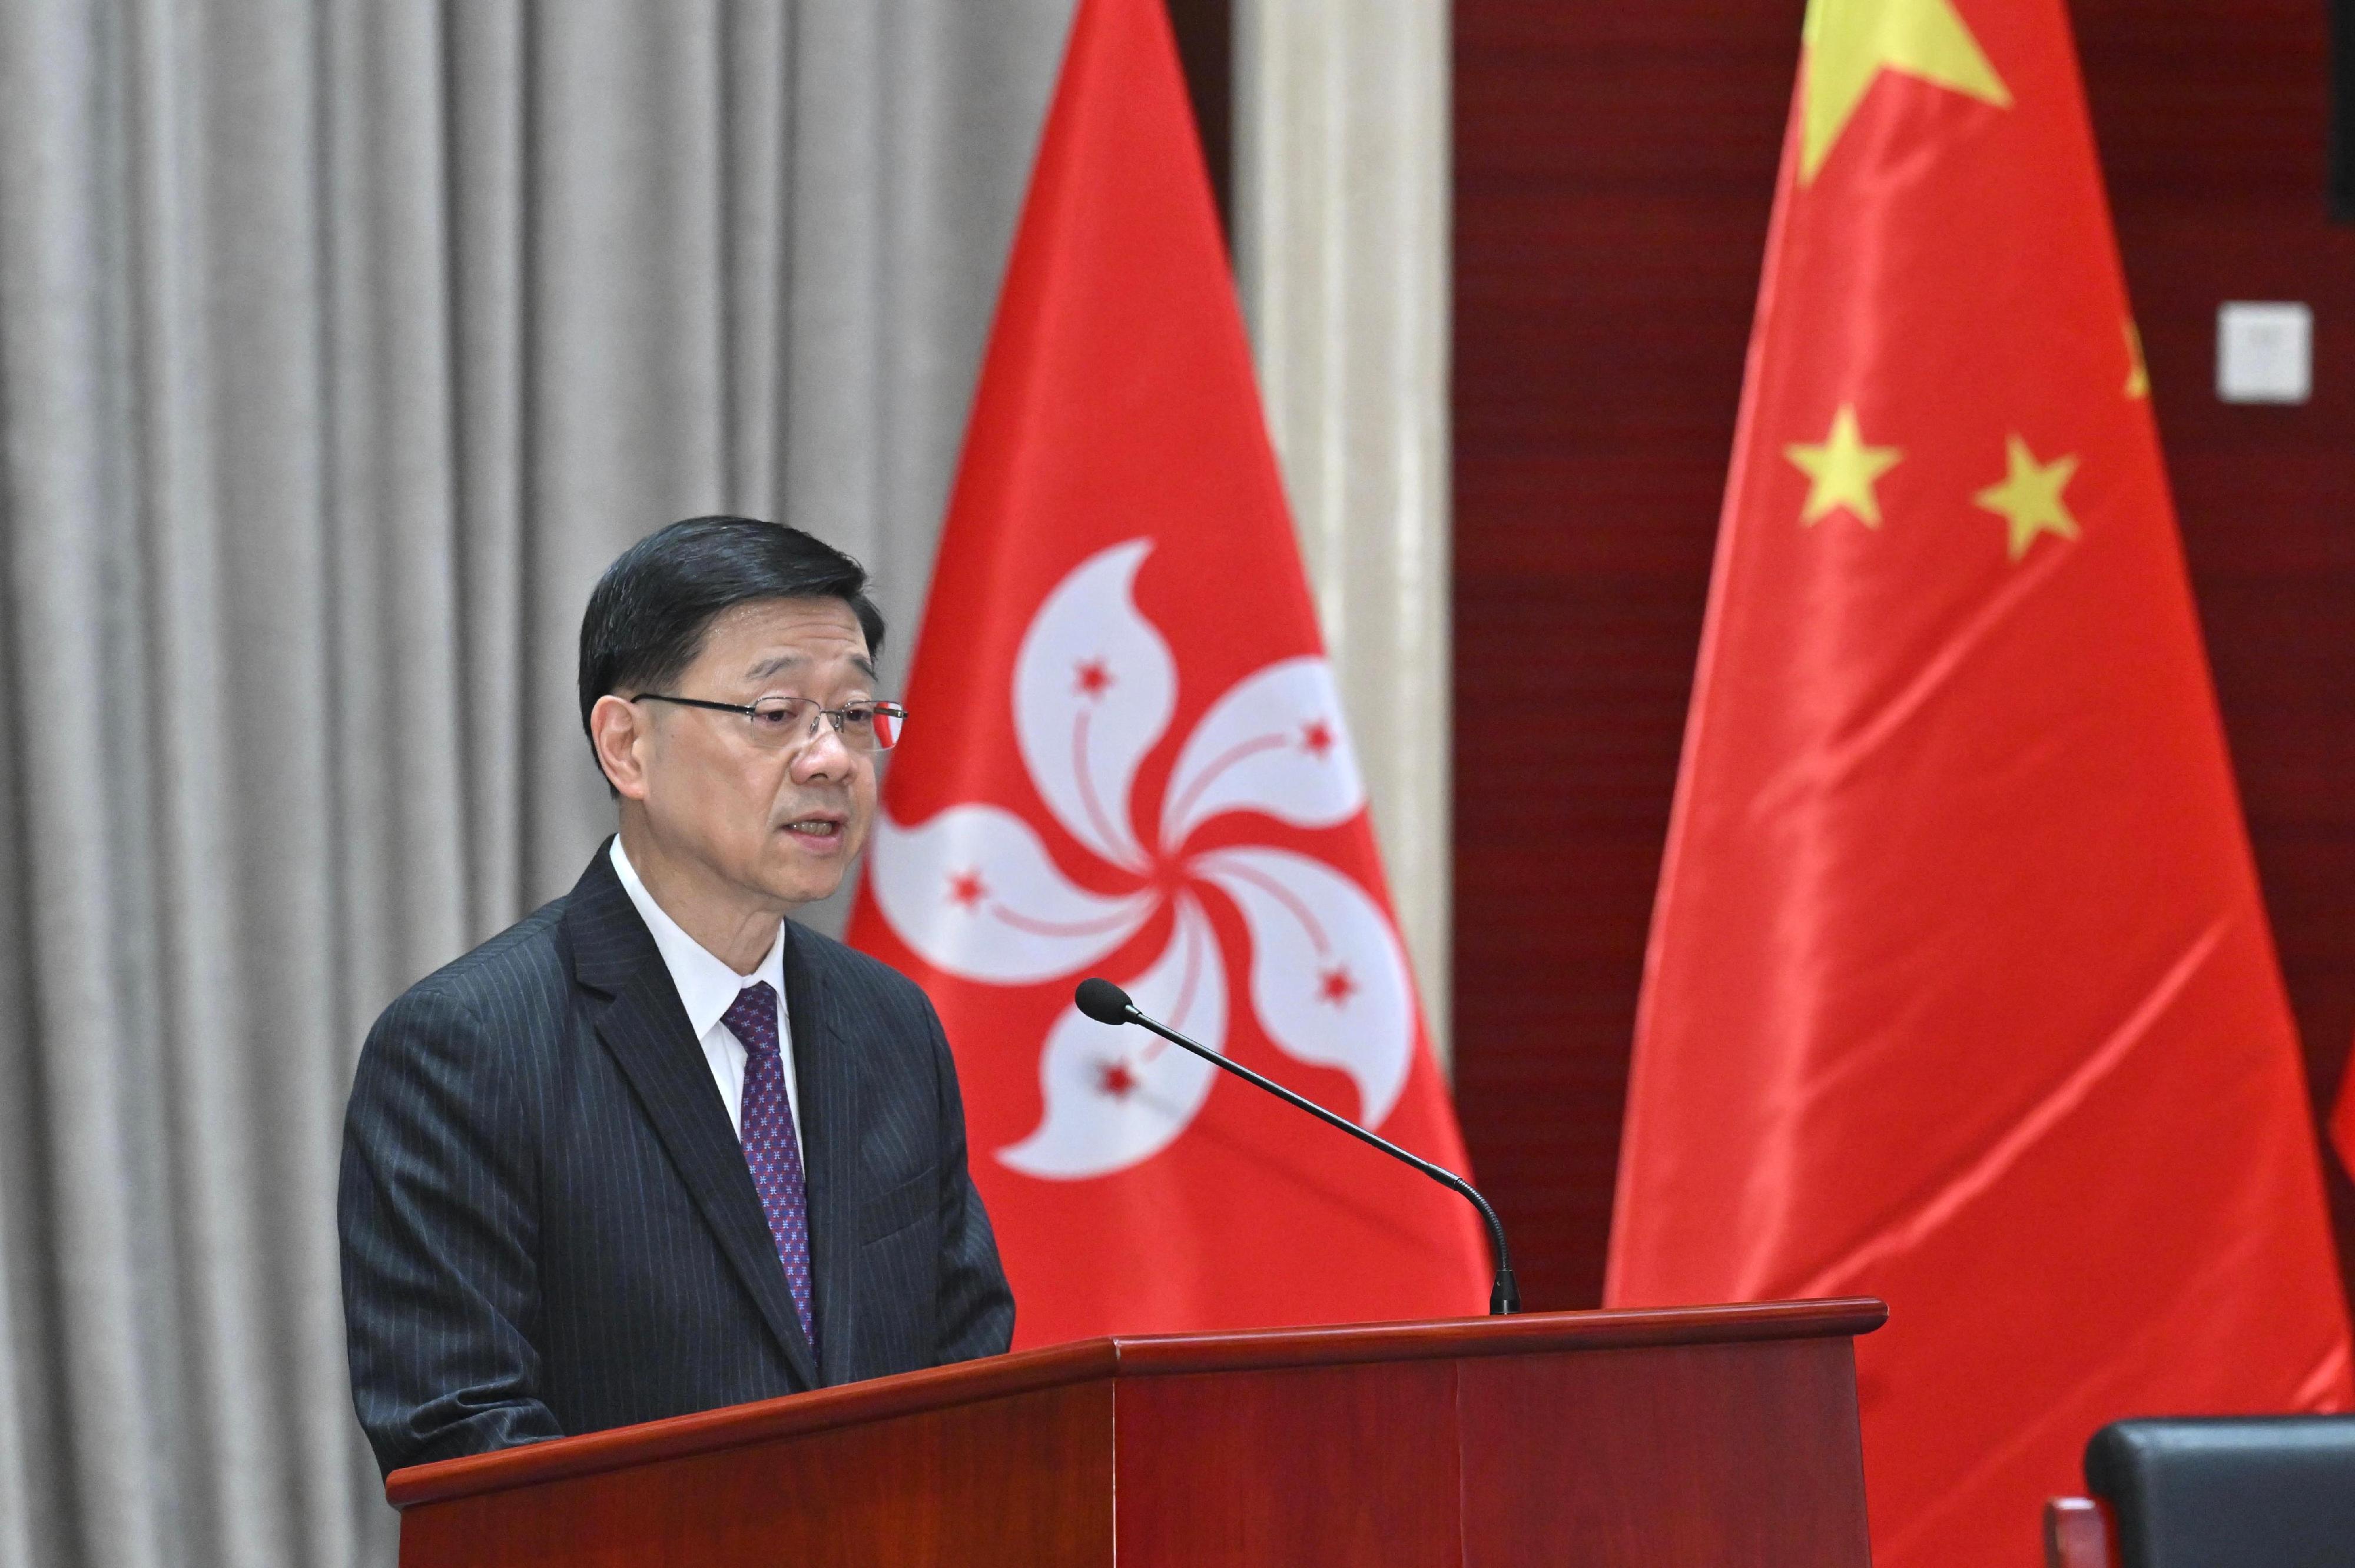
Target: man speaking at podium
x=657, y=1149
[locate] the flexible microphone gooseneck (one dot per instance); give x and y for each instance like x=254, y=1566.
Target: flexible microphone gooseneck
x=1107, y=1003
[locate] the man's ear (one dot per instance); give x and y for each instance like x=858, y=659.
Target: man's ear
x=618, y=730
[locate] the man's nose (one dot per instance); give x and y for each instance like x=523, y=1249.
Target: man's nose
x=823, y=754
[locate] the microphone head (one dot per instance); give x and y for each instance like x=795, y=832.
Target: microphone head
x=1101, y=1001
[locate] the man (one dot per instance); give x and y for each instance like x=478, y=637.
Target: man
x=658, y=1148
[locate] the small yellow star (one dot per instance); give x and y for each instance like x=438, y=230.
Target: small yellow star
x=1850, y=42
x=2029, y=499
x=1843, y=469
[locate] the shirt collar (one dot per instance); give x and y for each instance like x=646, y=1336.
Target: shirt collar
x=707, y=987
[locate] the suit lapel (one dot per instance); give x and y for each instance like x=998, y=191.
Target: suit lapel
x=645, y=1029
x=829, y=1117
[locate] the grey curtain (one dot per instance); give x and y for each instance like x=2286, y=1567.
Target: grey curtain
x=341, y=344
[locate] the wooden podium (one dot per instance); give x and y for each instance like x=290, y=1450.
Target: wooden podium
x=1703, y=1435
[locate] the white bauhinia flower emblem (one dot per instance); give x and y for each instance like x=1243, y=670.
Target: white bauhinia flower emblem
x=975, y=892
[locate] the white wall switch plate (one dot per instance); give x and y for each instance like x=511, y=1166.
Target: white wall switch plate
x=2265, y=352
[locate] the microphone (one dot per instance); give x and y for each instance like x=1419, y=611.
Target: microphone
x=1107, y=1003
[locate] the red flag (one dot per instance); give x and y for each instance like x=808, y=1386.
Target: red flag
x=2342, y=1120
x=1959, y=990
x=1126, y=756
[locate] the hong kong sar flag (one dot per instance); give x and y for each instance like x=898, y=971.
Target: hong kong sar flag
x=1126, y=756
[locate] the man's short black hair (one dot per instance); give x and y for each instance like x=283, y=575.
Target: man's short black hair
x=648, y=613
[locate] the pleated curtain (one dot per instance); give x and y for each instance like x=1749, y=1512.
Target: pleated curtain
x=341, y=346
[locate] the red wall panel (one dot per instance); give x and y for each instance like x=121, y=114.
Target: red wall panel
x=1614, y=167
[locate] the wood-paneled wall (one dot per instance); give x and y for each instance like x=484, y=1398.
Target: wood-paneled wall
x=1615, y=167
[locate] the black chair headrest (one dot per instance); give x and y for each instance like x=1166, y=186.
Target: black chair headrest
x=2228, y=1491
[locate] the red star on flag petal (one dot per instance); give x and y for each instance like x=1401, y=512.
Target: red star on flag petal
x=1316, y=737
x=1334, y=985
x=1114, y=1079
x=1095, y=679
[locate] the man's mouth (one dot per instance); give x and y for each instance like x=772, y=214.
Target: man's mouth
x=816, y=827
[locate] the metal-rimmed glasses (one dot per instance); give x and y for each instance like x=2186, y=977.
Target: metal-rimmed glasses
x=778, y=722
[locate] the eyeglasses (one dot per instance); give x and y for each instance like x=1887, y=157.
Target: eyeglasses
x=778, y=722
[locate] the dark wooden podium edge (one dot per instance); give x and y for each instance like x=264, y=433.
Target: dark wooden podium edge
x=1149, y=1355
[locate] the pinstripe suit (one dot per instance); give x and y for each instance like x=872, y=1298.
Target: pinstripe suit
x=548, y=1224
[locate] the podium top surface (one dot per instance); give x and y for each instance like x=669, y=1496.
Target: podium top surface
x=1126, y=1356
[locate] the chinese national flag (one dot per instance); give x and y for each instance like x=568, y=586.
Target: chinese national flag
x=1959, y=990
x=1126, y=756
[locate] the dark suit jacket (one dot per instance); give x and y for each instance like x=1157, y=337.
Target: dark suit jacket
x=548, y=1224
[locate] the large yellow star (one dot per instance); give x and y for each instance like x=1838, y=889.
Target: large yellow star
x=2030, y=496
x=1843, y=469
x=1850, y=42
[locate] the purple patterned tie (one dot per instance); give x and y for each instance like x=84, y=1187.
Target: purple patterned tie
x=767, y=1119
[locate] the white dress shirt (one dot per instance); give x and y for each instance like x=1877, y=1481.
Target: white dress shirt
x=707, y=988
